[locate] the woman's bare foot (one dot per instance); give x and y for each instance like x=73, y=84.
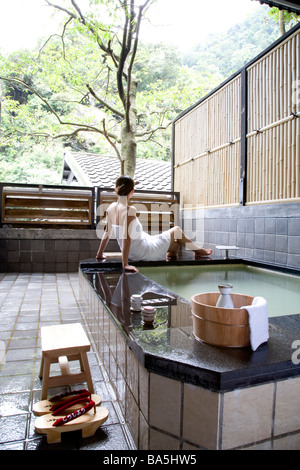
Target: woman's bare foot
x=201, y=252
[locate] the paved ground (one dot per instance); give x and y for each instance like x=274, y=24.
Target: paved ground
x=27, y=302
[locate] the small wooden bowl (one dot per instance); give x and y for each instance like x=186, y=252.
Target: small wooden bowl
x=227, y=327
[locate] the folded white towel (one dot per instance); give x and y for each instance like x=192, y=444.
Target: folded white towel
x=258, y=322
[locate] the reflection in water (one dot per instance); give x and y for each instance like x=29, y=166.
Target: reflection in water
x=282, y=291
x=117, y=288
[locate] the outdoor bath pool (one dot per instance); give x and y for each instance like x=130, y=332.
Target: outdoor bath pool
x=281, y=290
x=165, y=380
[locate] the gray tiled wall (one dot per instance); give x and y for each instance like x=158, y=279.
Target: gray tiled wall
x=25, y=250
x=268, y=233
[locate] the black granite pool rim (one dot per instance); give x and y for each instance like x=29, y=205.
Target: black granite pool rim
x=214, y=368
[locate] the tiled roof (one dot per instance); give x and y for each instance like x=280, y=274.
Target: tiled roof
x=283, y=4
x=96, y=170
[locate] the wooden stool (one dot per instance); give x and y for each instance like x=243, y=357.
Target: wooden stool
x=60, y=344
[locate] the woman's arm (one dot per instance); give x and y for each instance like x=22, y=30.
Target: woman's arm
x=105, y=239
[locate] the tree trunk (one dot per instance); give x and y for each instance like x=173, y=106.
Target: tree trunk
x=281, y=22
x=128, y=134
x=128, y=151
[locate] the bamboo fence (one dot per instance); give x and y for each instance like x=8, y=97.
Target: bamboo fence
x=207, y=149
x=207, y=139
x=273, y=141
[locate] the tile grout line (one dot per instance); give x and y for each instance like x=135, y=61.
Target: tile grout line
x=16, y=320
x=27, y=437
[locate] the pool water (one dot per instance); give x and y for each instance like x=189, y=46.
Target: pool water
x=281, y=290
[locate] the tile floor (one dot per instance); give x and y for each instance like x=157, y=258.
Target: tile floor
x=27, y=302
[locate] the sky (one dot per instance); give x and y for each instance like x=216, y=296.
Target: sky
x=181, y=22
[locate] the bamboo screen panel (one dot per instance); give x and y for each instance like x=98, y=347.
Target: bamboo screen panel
x=207, y=150
x=273, y=136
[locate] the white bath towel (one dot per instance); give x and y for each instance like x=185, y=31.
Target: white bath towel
x=258, y=322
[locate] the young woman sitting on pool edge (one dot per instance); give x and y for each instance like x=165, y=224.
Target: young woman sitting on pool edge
x=135, y=244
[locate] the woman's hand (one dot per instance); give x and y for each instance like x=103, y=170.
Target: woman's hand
x=100, y=256
x=128, y=267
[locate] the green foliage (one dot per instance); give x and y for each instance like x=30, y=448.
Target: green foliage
x=60, y=69
x=155, y=62
x=32, y=162
x=227, y=52
x=290, y=19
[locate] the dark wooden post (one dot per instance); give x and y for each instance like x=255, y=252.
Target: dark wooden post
x=244, y=120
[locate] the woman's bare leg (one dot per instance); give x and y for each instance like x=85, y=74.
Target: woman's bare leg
x=172, y=253
x=178, y=238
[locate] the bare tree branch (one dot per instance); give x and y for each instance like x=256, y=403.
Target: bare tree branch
x=111, y=142
x=83, y=21
x=58, y=7
x=77, y=9
x=137, y=30
x=104, y=103
x=81, y=126
x=123, y=56
x=59, y=35
x=152, y=131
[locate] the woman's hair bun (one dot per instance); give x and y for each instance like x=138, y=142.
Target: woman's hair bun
x=124, y=185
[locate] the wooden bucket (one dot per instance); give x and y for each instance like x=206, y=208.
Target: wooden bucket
x=227, y=327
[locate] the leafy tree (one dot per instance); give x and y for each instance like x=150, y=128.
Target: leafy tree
x=285, y=19
x=114, y=47
x=75, y=83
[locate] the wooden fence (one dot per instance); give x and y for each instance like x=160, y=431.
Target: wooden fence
x=157, y=210
x=207, y=149
x=273, y=131
x=80, y=207
x=47, y=206
x=241, y=143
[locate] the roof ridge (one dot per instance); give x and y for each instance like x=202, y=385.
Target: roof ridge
x=115, y=158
